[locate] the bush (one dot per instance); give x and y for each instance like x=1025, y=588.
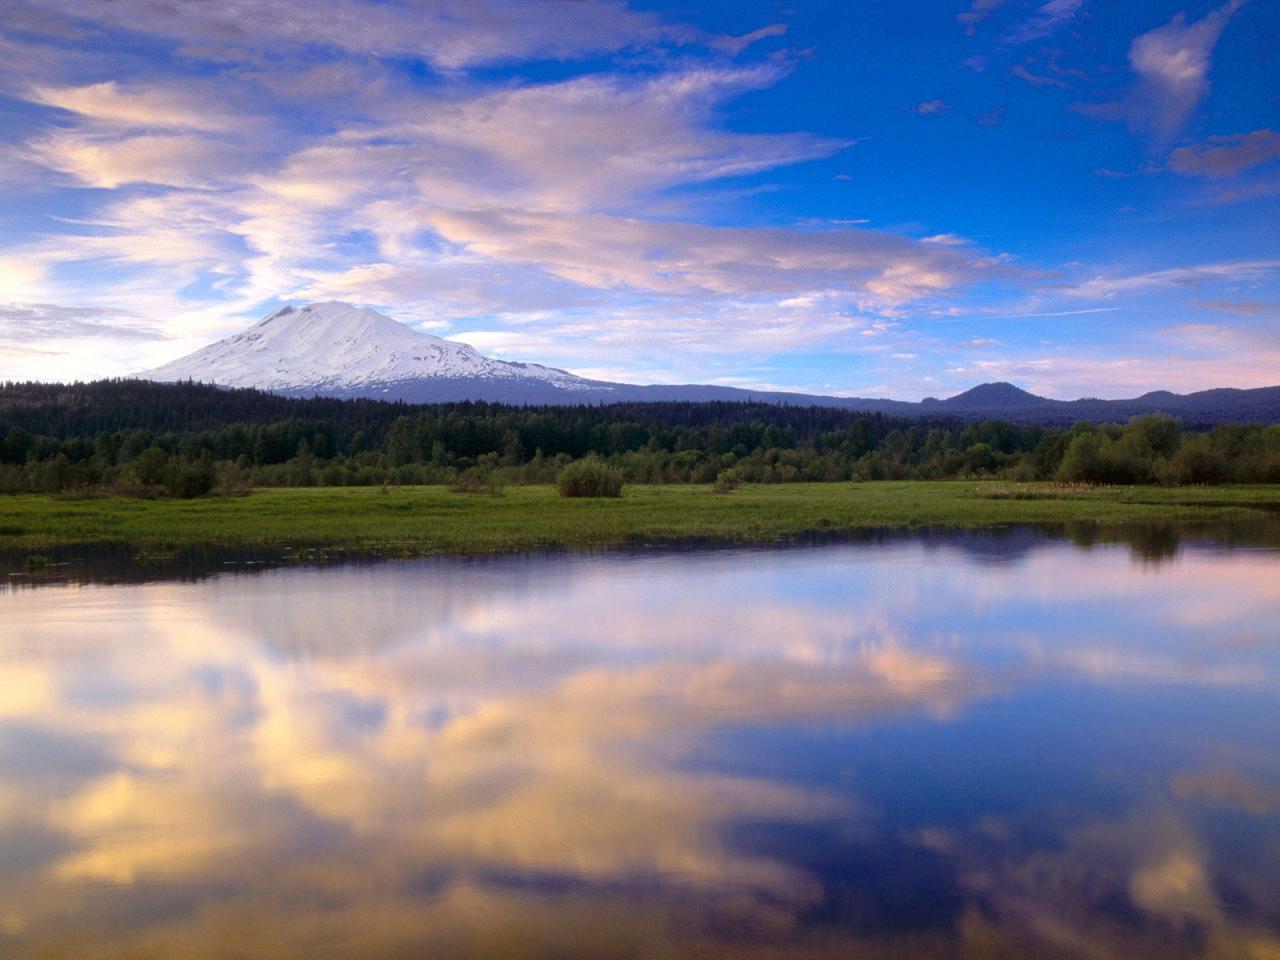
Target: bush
x=1082, y=462
x=1197, y=462
x=478, y=482
x=192, y=480
x=589, y=478
x=726, y=480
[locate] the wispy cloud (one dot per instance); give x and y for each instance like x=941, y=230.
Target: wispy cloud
x=451, y=34
x=1227, y=156
x=979, y=11
x=587, y=184
x=38, y=321
x=1172, y=66
x=1048, y=19
x=105, y=161
x=137, y=107
x=1191, y=277
x=1038, y=80
x=735, y=45
x=1241, y=308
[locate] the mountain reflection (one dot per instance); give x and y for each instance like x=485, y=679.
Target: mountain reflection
x=874, y=750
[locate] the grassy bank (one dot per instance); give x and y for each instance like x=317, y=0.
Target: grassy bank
x=419, y=521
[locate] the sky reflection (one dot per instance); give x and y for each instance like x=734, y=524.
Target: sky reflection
x=895, y=749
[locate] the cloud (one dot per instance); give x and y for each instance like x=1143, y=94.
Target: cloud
x=1227, y=790
x=1190, y=277
x=449, y=34
x=979, y=11
x=1172, y=65
x=197, y=170
x=735, y=45
x=1179, y=359
x=672, y=257
x=136, y=107
x=1222, y=195
x=1048, y=19
x=1241, y=308
x=263, y=228
x=22, y=278
x=1227, y=155
x=504, y=202
x=455, y=732
x=603, y=140
x=180, y=160
x=1038, y=80
x=40, y=341
x=1176, y=885
x=47, y=321
x=931, y=106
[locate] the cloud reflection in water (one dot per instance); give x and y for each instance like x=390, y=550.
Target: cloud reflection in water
x=730, y=752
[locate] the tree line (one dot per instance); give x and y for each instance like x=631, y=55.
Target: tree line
x=188, y=439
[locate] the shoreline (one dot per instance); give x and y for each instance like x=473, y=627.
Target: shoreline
x=434, y=521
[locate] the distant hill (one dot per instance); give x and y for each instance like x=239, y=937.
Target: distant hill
x=339, y=350
x=1204, y=408
x=991, y=396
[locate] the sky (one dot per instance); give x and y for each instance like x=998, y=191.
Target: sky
x=855, y=198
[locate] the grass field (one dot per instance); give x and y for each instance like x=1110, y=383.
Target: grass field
x=419, y=521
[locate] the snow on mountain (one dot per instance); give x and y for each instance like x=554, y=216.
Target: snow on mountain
x=338, y=347
x=339, y=350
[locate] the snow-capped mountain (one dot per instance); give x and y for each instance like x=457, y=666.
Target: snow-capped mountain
x=340, y=349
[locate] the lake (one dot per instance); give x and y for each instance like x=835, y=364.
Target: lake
x=961, y=745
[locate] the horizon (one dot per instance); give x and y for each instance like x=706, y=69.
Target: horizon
x=886, y=203
x=288, y=308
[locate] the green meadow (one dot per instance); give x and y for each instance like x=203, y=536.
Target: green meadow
x=420, y=521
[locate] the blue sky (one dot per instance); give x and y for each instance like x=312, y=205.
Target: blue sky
x=857, y=198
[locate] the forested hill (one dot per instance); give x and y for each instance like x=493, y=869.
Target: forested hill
x=84, y=410
x=76, y=410
x=146, y=439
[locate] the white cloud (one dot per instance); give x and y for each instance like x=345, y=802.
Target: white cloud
x=735, y=45
x=479, y=203
x=1192, y=277
x=136, y=107
x=1048, y=19
x=180, y=160
x=450, y=34
x=1172, y=64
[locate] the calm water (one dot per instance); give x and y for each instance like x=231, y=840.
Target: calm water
x=958, y=747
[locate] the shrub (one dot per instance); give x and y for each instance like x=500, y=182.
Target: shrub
x=478, y=482
x=1198, y=462
x=1082, y=462
x=193, y=479
x=589, y=478
x=726, y=480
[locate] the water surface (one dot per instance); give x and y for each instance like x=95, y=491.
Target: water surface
x=941, y=746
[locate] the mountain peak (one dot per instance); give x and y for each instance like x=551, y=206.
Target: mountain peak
x=337, y=346
x=1001, y=395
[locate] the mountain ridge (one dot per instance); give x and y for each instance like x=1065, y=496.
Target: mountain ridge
x=336, y=349
x=337, y=346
